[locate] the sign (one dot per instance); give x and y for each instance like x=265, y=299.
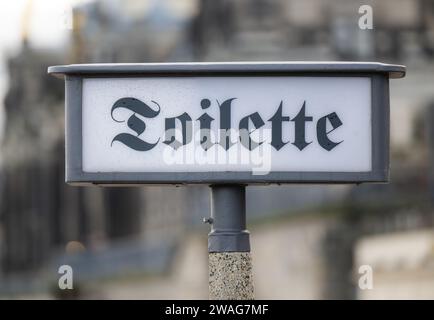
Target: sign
x=227, y=123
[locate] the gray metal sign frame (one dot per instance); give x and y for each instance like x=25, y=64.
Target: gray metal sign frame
x=378, y=73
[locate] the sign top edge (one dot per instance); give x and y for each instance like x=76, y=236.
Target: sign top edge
x=219, y=68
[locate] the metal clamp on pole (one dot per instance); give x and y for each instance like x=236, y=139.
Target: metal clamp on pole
x=228, y=219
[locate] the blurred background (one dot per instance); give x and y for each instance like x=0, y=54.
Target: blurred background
x=308, y=241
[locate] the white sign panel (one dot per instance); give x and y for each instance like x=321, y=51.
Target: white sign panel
x=270, y=124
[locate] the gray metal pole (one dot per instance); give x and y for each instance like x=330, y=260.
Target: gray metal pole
x=230, y=264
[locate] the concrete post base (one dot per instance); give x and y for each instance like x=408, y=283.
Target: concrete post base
x=230, y=276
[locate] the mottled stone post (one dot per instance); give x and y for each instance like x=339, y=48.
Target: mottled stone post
x=230, y=264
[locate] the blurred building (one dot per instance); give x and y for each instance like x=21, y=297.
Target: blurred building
x=403, y=264
x=113, y=232
x=312, y=30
